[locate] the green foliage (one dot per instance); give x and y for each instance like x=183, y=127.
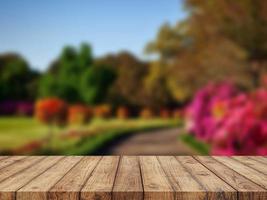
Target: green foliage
x=63, y=80
x=17, y=80
x=75, y=78
x=217, y=40
x=95, y=84
x=156, y=88
x=128, y=88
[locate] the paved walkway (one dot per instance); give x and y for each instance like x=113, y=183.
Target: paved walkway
x=160, y=142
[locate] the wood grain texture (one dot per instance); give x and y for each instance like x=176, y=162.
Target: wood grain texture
x=128, y=184
x=100, y=184
x=70, y=185
x=244, y=170
x=259, y=159
x=155, y=181
x=246, y=160
x=215, y=187
x=15, y=182
x=3, y=157
x=5, y=161
x=185, y=186
x=246, y=188
x=17, y=166
x=133, y=177
x=38, y=188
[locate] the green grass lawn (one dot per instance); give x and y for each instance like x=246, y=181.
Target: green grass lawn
x=16, y=132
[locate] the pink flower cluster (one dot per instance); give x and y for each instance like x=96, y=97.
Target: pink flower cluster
x=233, y=122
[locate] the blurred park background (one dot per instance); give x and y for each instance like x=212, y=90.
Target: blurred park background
x=133, y=77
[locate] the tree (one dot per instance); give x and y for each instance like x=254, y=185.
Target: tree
x=156, y=88
x=63, y=77
x=129, y=84
x=218, y=40
x=95, y=84
x=17, y=80
x=75, y=77
x=242, y=23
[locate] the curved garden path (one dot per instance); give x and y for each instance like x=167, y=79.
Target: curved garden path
x=157, y=142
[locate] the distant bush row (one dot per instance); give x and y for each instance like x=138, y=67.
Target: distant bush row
x=24, y=108
x=57, y=111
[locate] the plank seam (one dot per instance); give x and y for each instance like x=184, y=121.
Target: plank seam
x=241, y=174
x=213, y=173
x=195, y=178
x=166, y=175
x=141, y=175
x=238, y=192
x=47, y=195
x=22, y=169
x=116, y=174
x=263, y=162
x=12, y=162
x=248, y=166
x=4, y=158
x=37, y=176
x=79, y=194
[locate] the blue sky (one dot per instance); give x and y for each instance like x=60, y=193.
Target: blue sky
x=39, y=29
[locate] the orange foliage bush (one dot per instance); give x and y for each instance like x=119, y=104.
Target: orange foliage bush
x=123, y=112
x=102, y=111
x=51, y=111
x=79, y=114
x=177, y=114
x=165, y=113
x=146, y=113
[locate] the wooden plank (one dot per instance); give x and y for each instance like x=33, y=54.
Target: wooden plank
x=128, y=184
x=259, y=166
x=244, y=170
x=3, y=157
x=10, y=160
x=215, y=187
x=99, y=185
x=245, y=188
x=155, y=181
x=185, y=186
x=38, y=188
x=17, y=166
x=259, y=159
x=69, y=186
x=15, y=182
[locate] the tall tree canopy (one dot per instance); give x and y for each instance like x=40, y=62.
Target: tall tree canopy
x=75, y=77
x=217, y=40
x=17, y=80
x=129, y=84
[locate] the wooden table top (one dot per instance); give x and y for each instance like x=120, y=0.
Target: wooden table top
x=132, y=177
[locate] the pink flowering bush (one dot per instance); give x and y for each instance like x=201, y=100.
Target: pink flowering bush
x=233, y=122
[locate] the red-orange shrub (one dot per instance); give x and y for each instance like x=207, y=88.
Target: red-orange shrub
x=102, y=111
x=123, y=112
x=146, y=113
x=51, y=111
x=177, y=114
x=165, y=113
x=79, y=114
